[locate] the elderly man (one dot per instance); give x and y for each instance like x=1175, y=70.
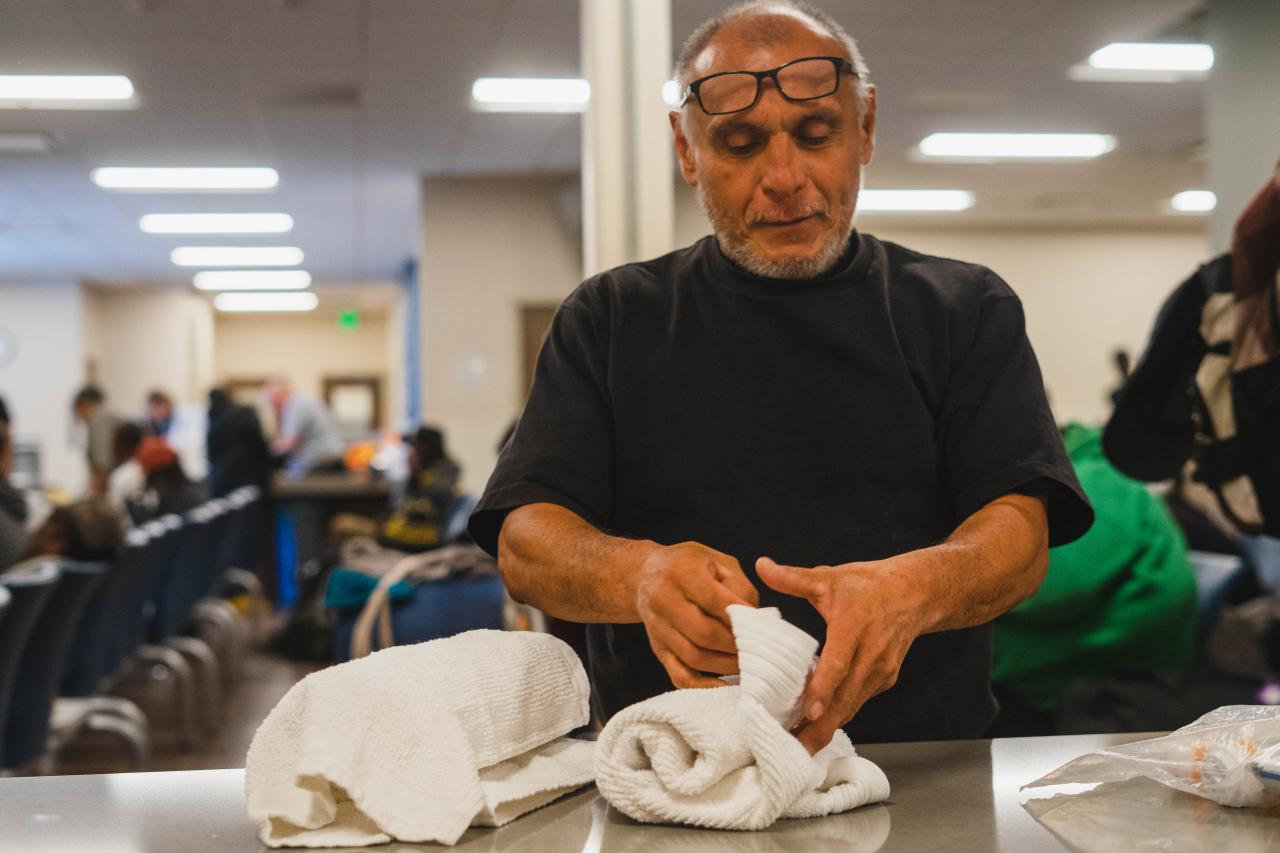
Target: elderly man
x=789, y=413
x=307, y=434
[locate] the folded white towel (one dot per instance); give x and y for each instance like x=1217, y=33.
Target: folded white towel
x=417, y=743
x=724, y=757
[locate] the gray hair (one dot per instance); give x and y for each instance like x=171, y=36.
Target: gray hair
x=710, y=28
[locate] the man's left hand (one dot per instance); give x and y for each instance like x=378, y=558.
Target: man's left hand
x=873, y=613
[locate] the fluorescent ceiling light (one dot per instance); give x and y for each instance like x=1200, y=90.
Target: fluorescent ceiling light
x=1150, y=62
x=185, y=179
x=1150, y=56
x=530, y=95
x=236, y=256
x=914, y=201
x=1194, y=201
x=65, y=91
x=216, y=223
x=1023, y=146
x=254, y=279
x=246, y=302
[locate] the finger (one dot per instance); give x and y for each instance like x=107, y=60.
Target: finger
x=816, y=735
x=697, y=626
x=681, y=675
x=847, y=702
x=877, y=681
x=787, y=580
x=696, y=657
x=834, y=664
x=704, y=590
x=731, y=575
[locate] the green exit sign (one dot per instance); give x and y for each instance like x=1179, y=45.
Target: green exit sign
x=349, y=320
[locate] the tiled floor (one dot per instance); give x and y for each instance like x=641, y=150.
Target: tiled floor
x=264, y=679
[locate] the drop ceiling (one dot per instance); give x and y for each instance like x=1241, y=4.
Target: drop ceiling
x=352, y=101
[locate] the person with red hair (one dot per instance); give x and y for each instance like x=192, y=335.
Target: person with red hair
x=171, y=490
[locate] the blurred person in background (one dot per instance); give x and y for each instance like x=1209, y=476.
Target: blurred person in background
x=418, y=520
x=88, y=531
x=235, y=446
x=89, y=409
x=13, y=506
x=169, y=488
x=127, y=480
x=183, y=427
x=308, y=435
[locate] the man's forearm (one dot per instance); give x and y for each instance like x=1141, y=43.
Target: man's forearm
x=994, y=560
x=554, y=560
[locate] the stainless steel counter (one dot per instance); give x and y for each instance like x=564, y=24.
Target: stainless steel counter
x=960, y=796
x=330, y=487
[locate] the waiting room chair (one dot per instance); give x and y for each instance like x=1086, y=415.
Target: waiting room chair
x=36, y=687
x=129, y=639
x=30, y=587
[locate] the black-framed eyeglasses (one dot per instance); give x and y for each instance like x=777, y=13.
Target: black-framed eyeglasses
x=799, y=80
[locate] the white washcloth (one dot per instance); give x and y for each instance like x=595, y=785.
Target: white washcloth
x=417, y=743
x=725, y=758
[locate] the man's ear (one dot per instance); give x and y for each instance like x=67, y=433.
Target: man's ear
x=868, y=128
x=684, y=151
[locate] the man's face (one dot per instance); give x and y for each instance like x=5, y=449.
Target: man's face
x=159, y=411
x=779, y=181
x=278, y=395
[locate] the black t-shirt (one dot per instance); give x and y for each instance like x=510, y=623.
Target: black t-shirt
x=855, y=416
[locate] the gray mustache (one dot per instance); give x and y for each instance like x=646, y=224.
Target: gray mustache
x=786, y=215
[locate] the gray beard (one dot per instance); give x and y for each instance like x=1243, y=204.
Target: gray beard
x=738, y=249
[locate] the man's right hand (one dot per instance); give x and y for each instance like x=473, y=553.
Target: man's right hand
x=681, y=597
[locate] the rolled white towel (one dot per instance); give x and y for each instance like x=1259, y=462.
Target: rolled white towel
x=416, y=743
x=725, y=758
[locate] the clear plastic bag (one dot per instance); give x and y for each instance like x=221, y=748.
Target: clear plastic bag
x=1216, y=757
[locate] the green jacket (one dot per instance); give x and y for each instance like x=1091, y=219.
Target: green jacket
x=1120, y=599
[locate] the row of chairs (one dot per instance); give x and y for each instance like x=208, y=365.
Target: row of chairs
x=70, y=632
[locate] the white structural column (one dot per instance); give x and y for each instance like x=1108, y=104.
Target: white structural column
x=628, y=194
x=1243, y=110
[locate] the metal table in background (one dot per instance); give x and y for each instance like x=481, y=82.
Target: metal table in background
x=308, y=505
x=333, y=488
x=957, y=796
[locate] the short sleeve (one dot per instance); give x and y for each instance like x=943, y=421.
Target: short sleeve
x=998, y=434
x=561, y=451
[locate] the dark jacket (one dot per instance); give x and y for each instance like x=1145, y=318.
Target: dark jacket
x=238, y=452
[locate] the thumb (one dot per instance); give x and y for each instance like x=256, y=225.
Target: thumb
x=787, y=580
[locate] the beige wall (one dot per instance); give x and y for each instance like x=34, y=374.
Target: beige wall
x=306, y=348
x=142, y=339
x=45, y=321
x=489, y=245
x=1085, y=292
x=1085, y=295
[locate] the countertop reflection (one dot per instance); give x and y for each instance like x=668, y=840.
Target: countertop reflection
x=960, y=795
